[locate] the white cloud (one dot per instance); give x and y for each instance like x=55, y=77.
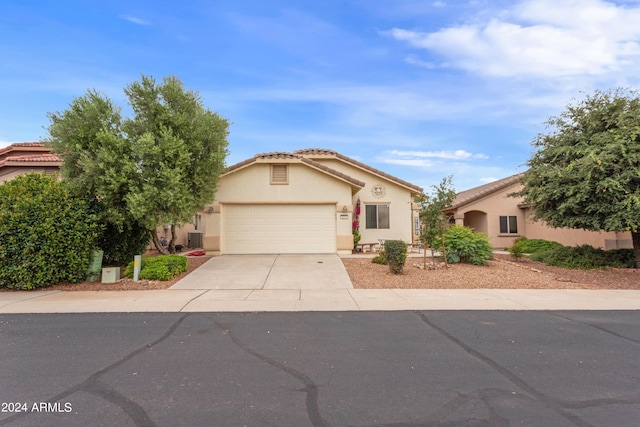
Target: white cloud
x=135, y=20
x=446, y=155
x=540, y=38
x=6, y=143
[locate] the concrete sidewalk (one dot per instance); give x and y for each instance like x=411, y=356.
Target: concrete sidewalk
x=247, y=300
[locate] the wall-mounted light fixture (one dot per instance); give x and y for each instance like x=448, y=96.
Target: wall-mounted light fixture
x=344, y=208
x=210, y=209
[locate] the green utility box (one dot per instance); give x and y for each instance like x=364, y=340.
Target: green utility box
x=95, y=264
x=110, y=274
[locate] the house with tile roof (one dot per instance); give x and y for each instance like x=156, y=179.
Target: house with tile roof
x=306, y=201
x=488, y=209
x=26, y=157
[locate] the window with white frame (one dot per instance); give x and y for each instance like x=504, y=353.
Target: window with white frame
x=377, y=216
x=508, y=225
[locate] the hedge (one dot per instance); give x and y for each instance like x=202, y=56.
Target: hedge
x=46, y=234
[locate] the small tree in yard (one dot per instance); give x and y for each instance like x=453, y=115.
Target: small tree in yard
x=584, y=173
x=159, y=167
x=434, y=223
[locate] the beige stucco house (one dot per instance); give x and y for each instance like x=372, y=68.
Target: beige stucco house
x=305, y=202
x=26, y=157
x=488, y=209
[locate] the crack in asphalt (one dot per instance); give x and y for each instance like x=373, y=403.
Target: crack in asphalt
x=600, y=328
x=439, y=417
x=94, y=386
x=557, y=405
x=310, y=387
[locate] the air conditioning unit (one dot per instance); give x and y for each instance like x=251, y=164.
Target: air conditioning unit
x=194, y=240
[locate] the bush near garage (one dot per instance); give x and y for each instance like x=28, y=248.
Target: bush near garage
x=46, y=234
x=395, y=252
x=161, y=267
x=468, y=246
x=586, y=257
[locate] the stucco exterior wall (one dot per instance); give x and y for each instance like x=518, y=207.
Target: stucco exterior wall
x=483, y=215
x=397, y=197
x=572, y=237
x=252, y=185
x=7, y=174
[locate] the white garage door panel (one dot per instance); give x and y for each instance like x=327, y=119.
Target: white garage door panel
x=269, y=229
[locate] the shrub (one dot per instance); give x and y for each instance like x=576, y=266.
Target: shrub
x=396, y=254
x=121, y=245
x=465, y=245
x=516, y=251
x=586, y=257
x=380, y=259
x=532, y=246
x=161, y=267
x=46, y=234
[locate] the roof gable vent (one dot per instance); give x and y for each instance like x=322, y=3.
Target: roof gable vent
x=279, y=174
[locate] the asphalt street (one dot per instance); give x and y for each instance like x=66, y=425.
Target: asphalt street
x=405, y=368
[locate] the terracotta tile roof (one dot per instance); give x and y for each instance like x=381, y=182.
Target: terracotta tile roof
x=276, y=155
x=473, y=194
x=26, y=154
x=316, y=151
x=36, y=158
x=24, y=147
x=325, y=152
x=279, y=155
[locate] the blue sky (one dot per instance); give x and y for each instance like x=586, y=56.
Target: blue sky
x=421, y=89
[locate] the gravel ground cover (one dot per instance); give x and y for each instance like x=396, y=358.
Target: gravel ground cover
x=501, y=273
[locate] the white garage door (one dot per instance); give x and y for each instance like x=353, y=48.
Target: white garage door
x=278, y=229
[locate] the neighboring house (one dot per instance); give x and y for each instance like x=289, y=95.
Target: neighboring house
x=488, y=209
x=27, y=157
x=305, y=202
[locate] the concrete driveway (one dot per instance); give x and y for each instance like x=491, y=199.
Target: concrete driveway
x=322, y=271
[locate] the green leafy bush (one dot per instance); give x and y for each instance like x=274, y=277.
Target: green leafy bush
x=46, y=234
x=516, y=251
x=121, y=245
x=380, y=258
x=465, y=245
x=161, y=267
x=532, y=246
x=586, y=257
x=396, y=254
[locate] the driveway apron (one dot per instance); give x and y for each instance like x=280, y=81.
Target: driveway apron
x=307, y=271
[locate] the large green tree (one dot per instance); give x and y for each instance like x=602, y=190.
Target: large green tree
x=159, y=166
x=585, y=172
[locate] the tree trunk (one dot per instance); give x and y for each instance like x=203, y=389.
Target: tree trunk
x=157, y=244
x=172, y=246
x=444, y=252
x=424, y=257
x=635, y=238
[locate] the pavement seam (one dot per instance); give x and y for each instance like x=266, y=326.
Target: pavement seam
x=45, y=293
x=266, y=279
x=354, y=300
x=192, y=299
